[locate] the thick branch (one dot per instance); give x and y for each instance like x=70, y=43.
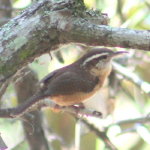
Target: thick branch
x=47, y=24
x=36, y=31
x=91, y=34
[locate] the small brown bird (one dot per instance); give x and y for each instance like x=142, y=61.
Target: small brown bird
x=76, y=82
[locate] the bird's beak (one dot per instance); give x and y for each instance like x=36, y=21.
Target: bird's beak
x=118, y=53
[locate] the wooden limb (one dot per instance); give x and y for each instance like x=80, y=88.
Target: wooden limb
x=2, y=144
x=145, y=119
x=101, y=134
x=3, y=88
x=25, y=87
x=5, y=14
x=30, y=105
x=47, y=24
x=144, y=86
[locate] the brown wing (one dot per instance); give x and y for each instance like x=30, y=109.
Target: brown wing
x=48, y=78
x=68, y=83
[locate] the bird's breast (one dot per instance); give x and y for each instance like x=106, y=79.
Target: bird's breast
x=76, y=98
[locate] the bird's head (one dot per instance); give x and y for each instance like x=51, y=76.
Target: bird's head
x=99, y=59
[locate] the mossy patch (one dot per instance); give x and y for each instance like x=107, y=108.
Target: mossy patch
x=25, y=54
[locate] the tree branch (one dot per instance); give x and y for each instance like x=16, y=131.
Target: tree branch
x=144, y=86
x=47, y=24
x=144, y=119
x=30, y=105
x=37, y=139
x=5, y=14
x=2, y=144
x=101, y=134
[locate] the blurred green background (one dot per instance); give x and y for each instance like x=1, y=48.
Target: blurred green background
x=62, y=130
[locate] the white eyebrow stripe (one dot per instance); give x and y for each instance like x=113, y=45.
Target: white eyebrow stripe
x=93, y=57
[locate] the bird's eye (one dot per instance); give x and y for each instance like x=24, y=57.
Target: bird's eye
x=104, y=57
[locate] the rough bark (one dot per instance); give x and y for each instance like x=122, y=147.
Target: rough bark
x=47, y=24
x=37, y=30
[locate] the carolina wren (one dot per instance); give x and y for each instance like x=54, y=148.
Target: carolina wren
x=76, y=82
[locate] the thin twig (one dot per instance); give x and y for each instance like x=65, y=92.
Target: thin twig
x=3, y=146
x=119, y=10
x=147, y=4
x=101, y=134
x=3, y=88
x=17, y=111
x=144, y=119
x=144, y=86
